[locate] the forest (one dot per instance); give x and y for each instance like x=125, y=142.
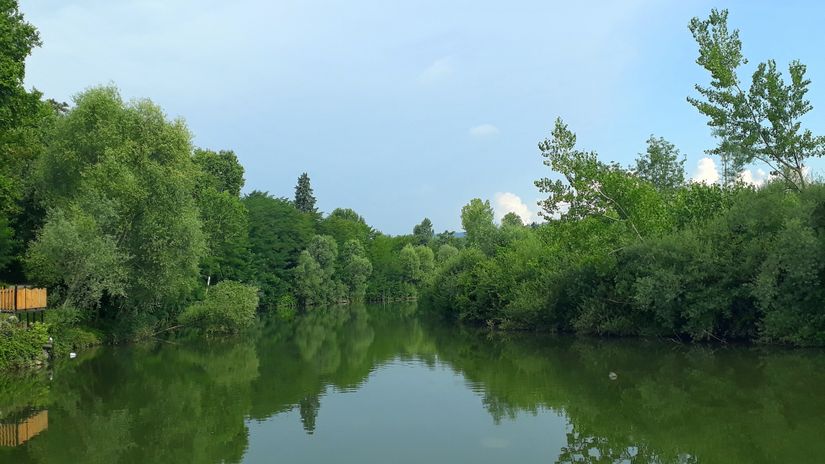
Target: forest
x=135, y=231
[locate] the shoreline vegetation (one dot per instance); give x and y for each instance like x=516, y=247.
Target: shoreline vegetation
x=137, y=232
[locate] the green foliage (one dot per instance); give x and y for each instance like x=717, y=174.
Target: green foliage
x=121, y=175
x=477, y=221
x=304, y=200
x=278, y=232
x=423, y=232
x=221, y=171
x=355, y=269
x=512, y=220
x=72, y=253
x=410, y=264
x=662, y=165
x=445, y=252
x=21, y=346
x=223, y=215
x=763, y=122
x=229, y=307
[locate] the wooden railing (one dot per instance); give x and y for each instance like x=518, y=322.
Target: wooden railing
x=20, y=298
x=19, y=432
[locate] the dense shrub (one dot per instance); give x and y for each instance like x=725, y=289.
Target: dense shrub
x=21, y=346
x=228, y=307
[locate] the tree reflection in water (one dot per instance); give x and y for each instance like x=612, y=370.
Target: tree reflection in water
x=193, y=400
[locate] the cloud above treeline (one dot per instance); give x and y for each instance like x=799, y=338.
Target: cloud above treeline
x=508, y=202
x=708, y=173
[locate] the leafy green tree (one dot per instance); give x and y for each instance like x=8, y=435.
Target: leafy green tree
x=130, y=170
x=762, y=122
x=662, y=165
x=73, y=253
x=311, y=284
x=24, y=124
x=426, y=262
x=446, y=252
x=278, y=232
x=222, y=213
x=223, y=172
x=314, y=275
x=423, y=232
x=355, y=269
x=512, y=220
x=595, y=189
x=477, y=221
x=304, y=199
x=345, y=224
x=410, y=264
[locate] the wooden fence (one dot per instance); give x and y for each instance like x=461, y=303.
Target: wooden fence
x=19, y=432
x=19, y=298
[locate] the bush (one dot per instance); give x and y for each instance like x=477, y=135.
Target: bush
x=228, y=308
x=21, y=346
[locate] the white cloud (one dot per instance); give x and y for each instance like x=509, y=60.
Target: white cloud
x=438, y=70
x=706, y=172
x=484, y=130
x=507, y=202
x=756, y=178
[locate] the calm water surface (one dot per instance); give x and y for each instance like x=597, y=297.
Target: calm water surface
x=383, y=385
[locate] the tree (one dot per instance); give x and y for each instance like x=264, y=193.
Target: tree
x=278, y=232
x=222, y=213
x=304, y=200
x=662, y=165
x=410, y=264
x=763, y=122
x=314, y=274
x=345, y=224
x=426, y=262
x=24, y=120
x=222, y=170
x=129, y=171
x=594, y=189
x=72, y=253
x=423, y=232
x=446, y=252
x=512, y=219
x=477, y=221
x=355, y=269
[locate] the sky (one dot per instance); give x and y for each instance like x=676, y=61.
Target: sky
x=406, y=110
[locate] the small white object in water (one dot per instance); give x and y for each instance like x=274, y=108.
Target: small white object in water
x=72, y=355
x=613, y=376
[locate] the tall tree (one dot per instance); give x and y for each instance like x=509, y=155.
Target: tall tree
x=423, y=232
x=23, y=122
x=304, y=200
x=355, y=269
x=662, y=165
x=122, y=174
x=222, y=213
x=277, y=234
x=762, y=122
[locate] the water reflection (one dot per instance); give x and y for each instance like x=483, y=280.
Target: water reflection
x=195, y=400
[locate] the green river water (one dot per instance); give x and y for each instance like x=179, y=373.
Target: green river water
x=385, y=385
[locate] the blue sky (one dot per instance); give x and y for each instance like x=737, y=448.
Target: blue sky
x=402, y=110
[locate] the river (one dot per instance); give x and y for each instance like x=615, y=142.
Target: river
x=382, y=384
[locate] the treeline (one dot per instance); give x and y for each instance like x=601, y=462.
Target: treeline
x=639, y=251
x=134, y=230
